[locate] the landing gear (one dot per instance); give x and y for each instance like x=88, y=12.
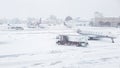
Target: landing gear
x=112, y=40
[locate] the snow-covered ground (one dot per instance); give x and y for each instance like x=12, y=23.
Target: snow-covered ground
x=38, y=49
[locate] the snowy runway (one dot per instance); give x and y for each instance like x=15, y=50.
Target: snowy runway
x=35, y=49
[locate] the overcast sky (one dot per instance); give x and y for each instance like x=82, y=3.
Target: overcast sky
x=60, y=8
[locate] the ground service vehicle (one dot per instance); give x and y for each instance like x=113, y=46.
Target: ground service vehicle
x=77, y=40
x=16, y=28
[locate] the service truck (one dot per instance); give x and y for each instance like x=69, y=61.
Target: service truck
x=77, y=40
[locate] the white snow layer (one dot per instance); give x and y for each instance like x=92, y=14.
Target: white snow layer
x=38, y=49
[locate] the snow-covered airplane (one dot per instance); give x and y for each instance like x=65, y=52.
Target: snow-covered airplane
x=97, y=33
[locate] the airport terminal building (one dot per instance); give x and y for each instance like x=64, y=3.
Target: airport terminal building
x=101, y=21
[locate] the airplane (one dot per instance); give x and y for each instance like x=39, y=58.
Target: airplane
x=95, y=33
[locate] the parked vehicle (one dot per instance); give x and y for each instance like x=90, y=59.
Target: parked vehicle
x=16, y=28
x=77, y=40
